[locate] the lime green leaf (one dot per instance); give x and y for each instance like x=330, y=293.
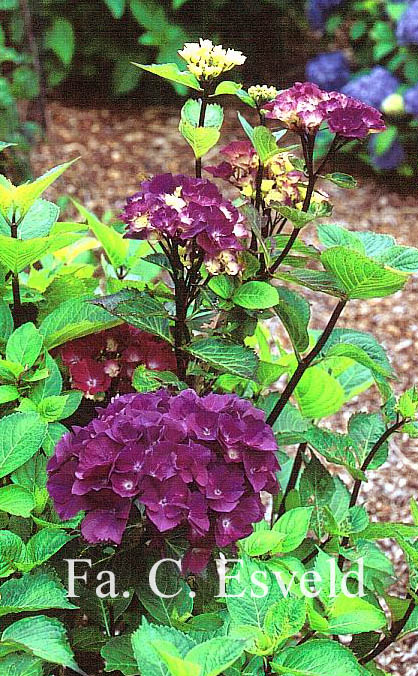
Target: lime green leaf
x=214, y=115
x=8, y=393
x=264, y=143
x=354, y=616
x=262, y=542
x=171, y=71
x=25, y=195
x=223, y=286
x=21, y=435
x=225, y=356
x=285, y=618
x=297, y=217
x=318, y=394
x=403, y=258
x=342, y=180
x=227, y=87
x=12, y=550
x=294, y=524
x=16, y=500
x=24, y=345
x=331, y=235
x=360, y=276
x=115, y=246
x=294, y=312
x=314, y=659
x=256, y=296
x=216, y=655
x=201, y=139
x=359, y=355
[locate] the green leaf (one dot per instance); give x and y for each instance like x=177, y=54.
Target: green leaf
x=17, y=254
x=294, y=312
x=201, y=139
x=366, y=342
x=115, y=246
x=317, y=280
x=6, y=321
x=225, y=356
x=45, y=637
x=139, y=309
x=38, y=221
x=264, y=143
x=171, y=71
x=223, y=286
x=125, y=78
x=117, y=7
x=227, y=87
x=244, y=607
x=24, y=345
x=331, y=235
x=148, y=660
x=375, y=243
x=16, y=500
x=354, y=616
x=402, y=258
x=249, y=130
x=167, y=610
x=214, y=115
x=256, y=296
x=342, y=180
x=12, y=550
x=33, y=592
x=21, y=665
x=216, y=655
x=385, y=140
x=360, y=356
x=360, y=276
x=60, y=39
x=74, y=319
x=314, y=658
x=318, y=394
x=285, y=618
x=294, y=524
x=21, y=435
x=261, y=542
x=366, y=429
x=41, y=546
x=8, y=393
x=118, y=655
x=297, y=217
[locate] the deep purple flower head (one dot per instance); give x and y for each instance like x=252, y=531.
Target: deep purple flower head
x=191, y=209
x=407, y=28
x=411, y=100
x=319, y=10
x=390, y=159
x=304, y=107
x=372, y=88
x=198, y=463
x=329, y=70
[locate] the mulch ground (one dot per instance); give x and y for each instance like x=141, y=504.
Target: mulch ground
x=119, y=147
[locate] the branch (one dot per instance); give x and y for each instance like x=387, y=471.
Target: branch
x=305, y=363
x=397, y=628
x=297, y=464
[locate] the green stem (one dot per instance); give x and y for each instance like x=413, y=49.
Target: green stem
x=305, y=363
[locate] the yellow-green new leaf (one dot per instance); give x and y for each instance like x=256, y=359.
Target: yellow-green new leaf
x=115, y=246
x=171, y=71
x=201, y=139
x=360, y=276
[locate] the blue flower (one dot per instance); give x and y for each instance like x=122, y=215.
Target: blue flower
x=372, y=88
x=411, y=100
x=390, y=159
x=319, y=10
x=329, y=70
x=407, y=29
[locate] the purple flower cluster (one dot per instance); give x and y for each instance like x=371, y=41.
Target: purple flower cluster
x=411, y=100
x=188, y=209
x=329, y=70
x=407, y=28
x=195, y=462
x=318, y=11
x=372, y=88
x=304, y=107
x=390, y=159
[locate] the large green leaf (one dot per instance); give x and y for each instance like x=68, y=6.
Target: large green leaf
x=213, y=114
x=171, y=71
x=354, y=616
x=294, y=524
x=24, y=345
x=245, y=604
x=256, y=296
x=74, y=319
x=38, y=221
x=139, y=309
x=366, y=342
x=59, y=37
x=115, y=246
x=118, y=655
x=403, y=258
x=21, y=665
x=148, y=659
x=32, y=592
x=216, y=655
x=201, y=139
x=361, y=277
x=167, y=610
x=21, y=434
x=12, y=549
x=16, y=500
x=315, y=658
x=45, y=637
x=318, y=394
x=225, y=356
x=264, y=143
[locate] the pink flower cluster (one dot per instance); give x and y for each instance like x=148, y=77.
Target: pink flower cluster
x=109, y=358
x=195, y=463
x=304, y=107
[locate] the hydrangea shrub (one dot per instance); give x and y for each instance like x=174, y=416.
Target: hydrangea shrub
x=214, y=501
x=368, y=51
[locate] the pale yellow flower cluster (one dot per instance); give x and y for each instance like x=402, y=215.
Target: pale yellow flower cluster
x=262, y=93
x=207, y=61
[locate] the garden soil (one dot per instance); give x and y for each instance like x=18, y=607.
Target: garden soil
x=118, y=148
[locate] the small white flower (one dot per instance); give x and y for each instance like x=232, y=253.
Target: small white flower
x=206, y=60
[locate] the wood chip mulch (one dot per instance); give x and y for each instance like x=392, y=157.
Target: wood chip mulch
x=119, y=147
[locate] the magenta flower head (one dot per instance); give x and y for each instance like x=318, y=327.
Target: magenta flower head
x=193, y=462
x=191, y=210
x=305, y=107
